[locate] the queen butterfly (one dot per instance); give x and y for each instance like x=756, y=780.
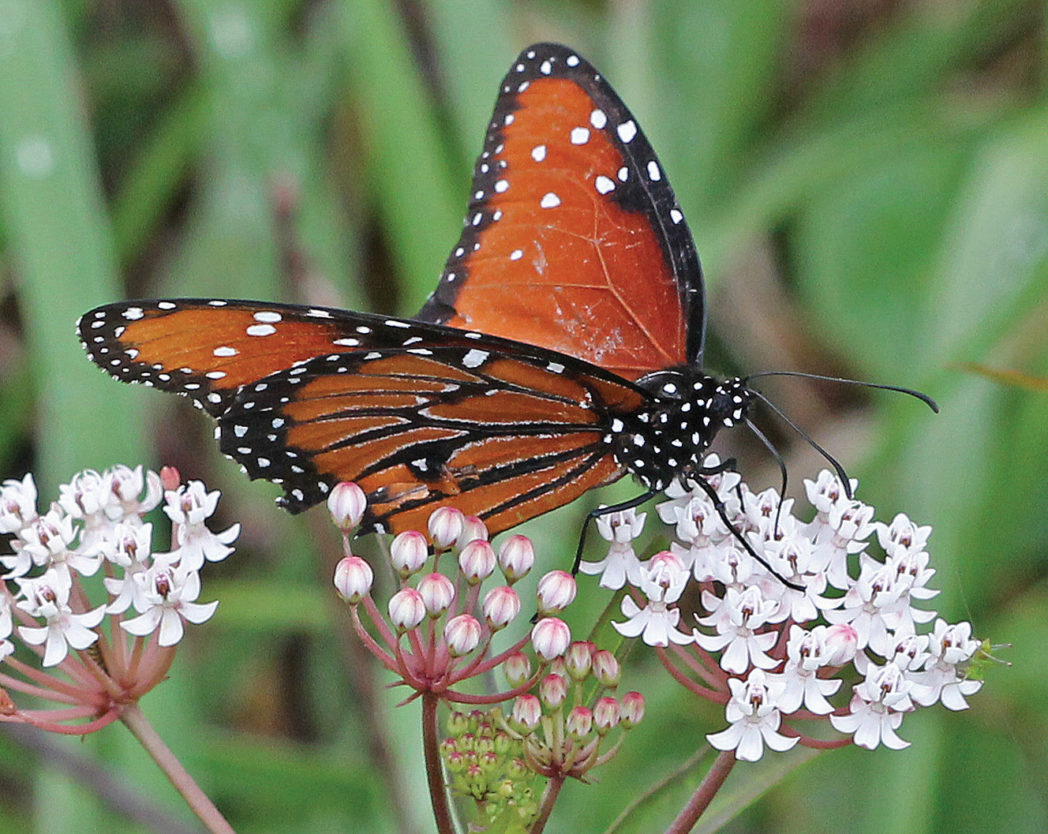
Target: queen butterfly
x=561, y=349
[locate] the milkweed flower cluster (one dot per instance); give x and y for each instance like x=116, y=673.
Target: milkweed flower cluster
x=775, y=652
x=97, y=658
x=437, y=632
x=437, y=629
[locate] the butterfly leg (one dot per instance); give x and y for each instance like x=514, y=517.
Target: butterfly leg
x=597, y=513
x=718, y=505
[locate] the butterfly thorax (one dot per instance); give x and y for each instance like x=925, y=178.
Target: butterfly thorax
x=670, y=435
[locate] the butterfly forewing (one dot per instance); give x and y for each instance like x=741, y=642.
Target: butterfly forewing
x=505, y=433
x=208, y=349
x=573, y=239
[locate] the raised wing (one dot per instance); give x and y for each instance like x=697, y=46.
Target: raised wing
x=573, y=239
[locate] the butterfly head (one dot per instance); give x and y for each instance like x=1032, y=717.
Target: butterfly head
x=670, y=436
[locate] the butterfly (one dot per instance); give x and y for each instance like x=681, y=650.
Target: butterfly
x=561, y=350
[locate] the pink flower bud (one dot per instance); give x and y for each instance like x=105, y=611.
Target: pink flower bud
x=516, y=557
x=501, y=606
x=606, y=668
x=550, y=638
x=472, y=529
x=579, y=658
x=462, y=634
x=841, y=644
x=605, y=714
x=632, y=709
x=408, y=553
x=517, y=669
x=170, y=478
x=445, y=525
x=579, y=722
x=437, y=592
x=353, y=578
x=552, y=691
x=556, y=591
x=527, y=712
x=346, y=503
x=406, y=609
x=477, y=561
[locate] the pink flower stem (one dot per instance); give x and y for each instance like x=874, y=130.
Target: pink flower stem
x=434, y=773
x=197, y=800
x=700, y=800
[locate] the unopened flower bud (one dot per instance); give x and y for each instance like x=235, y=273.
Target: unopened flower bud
x=501, y=606
x=556, y=591
x=170, y=478
x=553, y=690
x=517, y=669
x=605, y=714
x=437, y=592
x=472, y=530
x=606, y=668
x=445, y=525
x=477, y=561
x=462, y=634
x=408, y=553
x=406, y=609
x=578, y=659
x=353, y=578
x=527, y=712
x=579, y=722
x=457, y=723
x=346, y=503
x=631, y=709
x=516, y=557
x=842, y=642
x=550, y=638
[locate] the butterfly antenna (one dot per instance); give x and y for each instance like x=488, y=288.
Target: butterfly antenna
x=841, y=474
x=763, y=438
x=920, y=395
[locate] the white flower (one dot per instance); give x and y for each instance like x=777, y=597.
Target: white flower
x=754, y=717
x=126, y=485
x=877, y=707
x=736, y=618
x=807, y=652
x=902, y=535
x=189, y=507
x=662, y=581
x=621, y=565
x=47, y=596
x=17, y=504
x=169, y=595
x=950, y=646
x=127, y=547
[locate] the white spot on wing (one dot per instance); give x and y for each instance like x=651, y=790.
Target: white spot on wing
x=475, y=358
x=224, y=350
x=538, y=153
x=627, y=131
x=549, y=200
x=579, y=135
x=261, y=330
x=605, y=185
x=267, y=316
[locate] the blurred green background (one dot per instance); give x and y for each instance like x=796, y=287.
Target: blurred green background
x=867, y=182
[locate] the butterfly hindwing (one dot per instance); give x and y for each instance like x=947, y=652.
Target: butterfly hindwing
x=504, y=431
x=573, y=239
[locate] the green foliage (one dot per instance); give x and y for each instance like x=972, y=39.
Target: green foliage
x=892, y=165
